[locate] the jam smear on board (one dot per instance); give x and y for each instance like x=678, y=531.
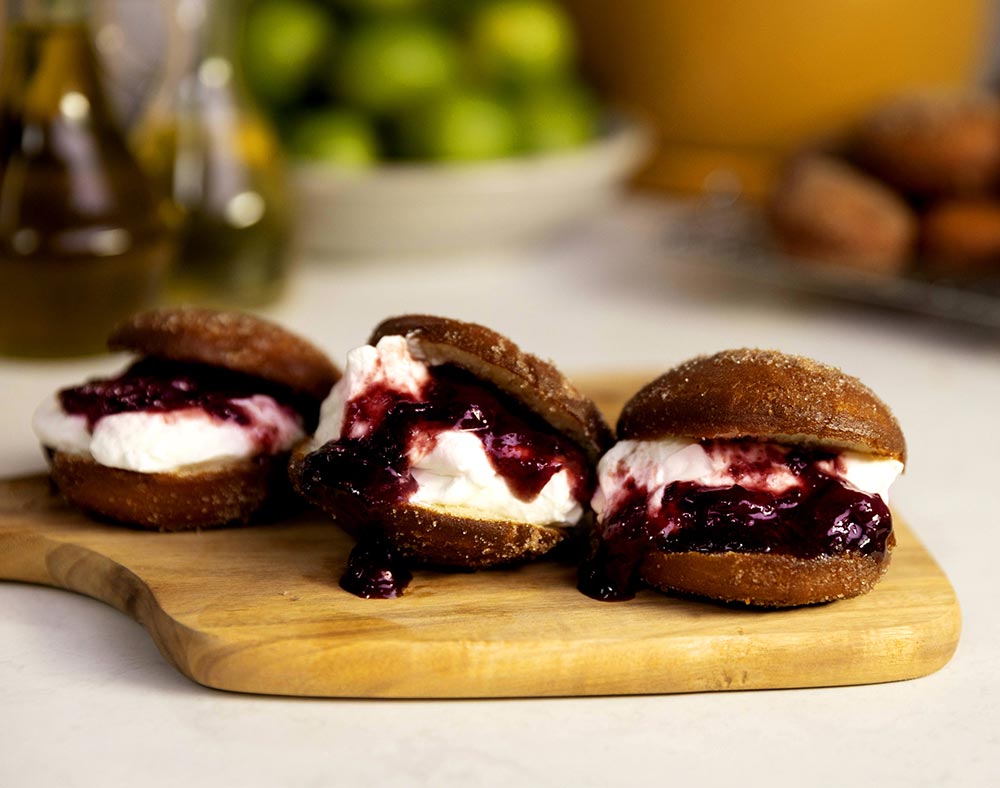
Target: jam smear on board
x=819, y=516
x=374, y=569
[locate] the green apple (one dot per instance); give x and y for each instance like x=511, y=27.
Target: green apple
x=556, y=117
x=389, y=64
x=336, y=136
x=460, y=125
x=286, y=43
x=521, y=41
x=379, y=6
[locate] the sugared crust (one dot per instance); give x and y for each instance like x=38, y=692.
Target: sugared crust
x=226, y=494
x=763, y=579
x=825, y=209
x=934, y=144
x=234, y=340
x=535, y=383
x=434, y=536
x=962, y=237
x=766, y=395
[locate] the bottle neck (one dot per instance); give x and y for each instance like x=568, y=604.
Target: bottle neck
x=205, y=27
x=204, y=43
x=47, y=12
x=49, y=69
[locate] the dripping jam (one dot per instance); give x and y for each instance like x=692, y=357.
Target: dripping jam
x=374, y=569
x=818, y=516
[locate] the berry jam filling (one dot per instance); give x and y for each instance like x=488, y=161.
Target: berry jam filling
x=523, y=450
x=818, y=516
x=159, y=386
x=375, y=469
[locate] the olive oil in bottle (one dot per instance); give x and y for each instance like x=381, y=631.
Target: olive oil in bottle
x=82, y=242
x=210, y=149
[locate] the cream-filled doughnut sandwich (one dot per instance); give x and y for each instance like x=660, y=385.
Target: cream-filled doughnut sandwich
x=747, y=476
x=197, y=431
x=446, y=444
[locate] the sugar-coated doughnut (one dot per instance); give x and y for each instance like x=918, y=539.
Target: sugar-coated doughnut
x=194, y=434
x=452, y=445
x=827, y=210
x=747, y=476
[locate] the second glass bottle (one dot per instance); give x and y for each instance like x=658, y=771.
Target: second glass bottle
x=210, y=149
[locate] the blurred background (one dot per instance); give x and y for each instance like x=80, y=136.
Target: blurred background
x=191, y=150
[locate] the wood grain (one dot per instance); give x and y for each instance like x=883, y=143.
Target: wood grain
x=259, y=610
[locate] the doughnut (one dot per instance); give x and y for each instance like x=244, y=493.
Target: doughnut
x=827, y=210
x=960, y=239
x=934, y=144
x=235, y=341
x=448, y=445
x=194, y=433
x=748, y=476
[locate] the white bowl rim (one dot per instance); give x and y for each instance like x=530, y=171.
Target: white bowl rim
x=623, y=137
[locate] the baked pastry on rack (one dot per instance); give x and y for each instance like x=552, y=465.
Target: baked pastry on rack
x=826, y=209
x=934, y=144
x=960, y=239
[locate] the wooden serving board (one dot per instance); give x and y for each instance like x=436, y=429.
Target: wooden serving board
x=259, y=610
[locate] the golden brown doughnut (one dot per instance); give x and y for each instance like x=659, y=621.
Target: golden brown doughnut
x=757, y=398
x=217, y=493
x=934, y=144
x=826, y=210
x=961, y=238
x=450, y=535
x=230, y=493
x=763, y=394
x=765, y=580
x=234, y=340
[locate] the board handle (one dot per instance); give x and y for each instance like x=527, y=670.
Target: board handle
x=32, y=558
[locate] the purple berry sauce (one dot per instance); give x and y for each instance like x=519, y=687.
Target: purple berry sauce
x=160, y=386
x=821, y=516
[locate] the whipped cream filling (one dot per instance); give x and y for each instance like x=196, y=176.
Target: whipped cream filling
x=654, y=465
x=388, y=365
x=451, y=468
x=151, y=442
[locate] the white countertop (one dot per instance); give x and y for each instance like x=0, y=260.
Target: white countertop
x=85, y=698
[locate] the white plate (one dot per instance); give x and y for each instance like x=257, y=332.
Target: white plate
x=426, y=208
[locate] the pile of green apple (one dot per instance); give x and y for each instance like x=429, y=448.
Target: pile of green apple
x=357, y=82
